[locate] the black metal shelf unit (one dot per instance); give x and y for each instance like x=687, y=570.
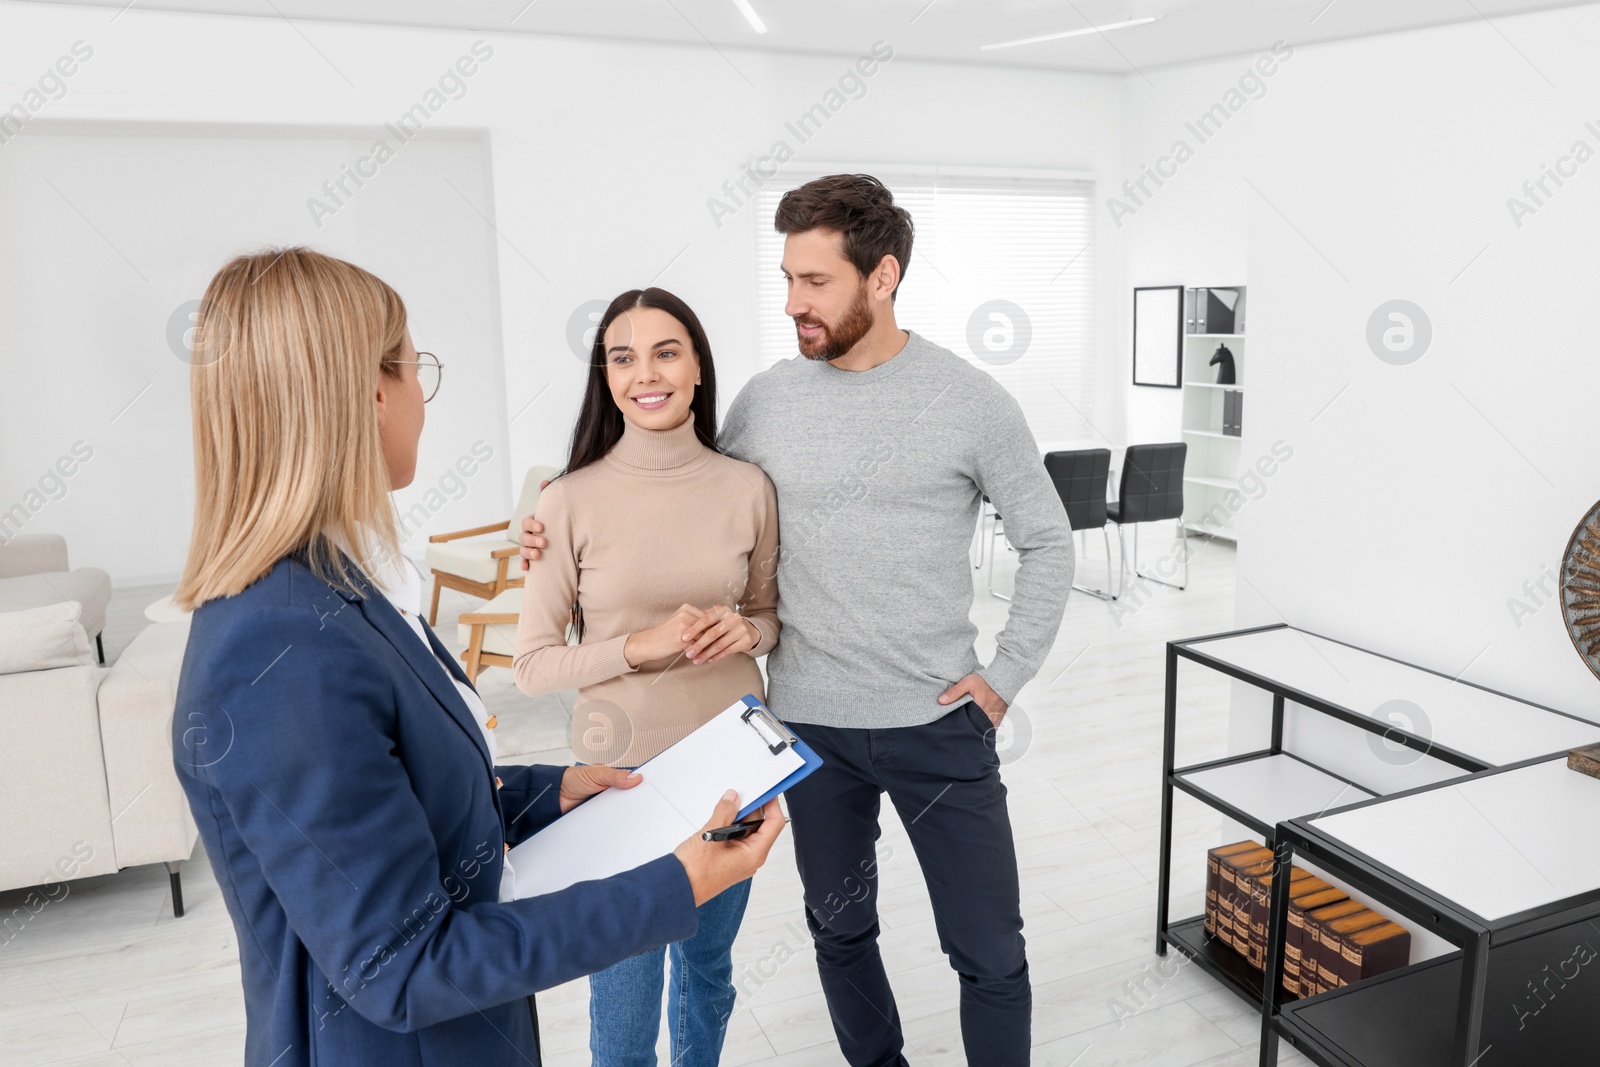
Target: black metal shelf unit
x=1476, y=1006
x=1313, y=1024
x=1188, y=935
x=1450, y=1011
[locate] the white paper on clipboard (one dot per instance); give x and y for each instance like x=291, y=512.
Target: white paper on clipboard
x=621, y=829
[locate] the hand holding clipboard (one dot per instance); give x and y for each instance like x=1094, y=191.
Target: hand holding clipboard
x=745, y=747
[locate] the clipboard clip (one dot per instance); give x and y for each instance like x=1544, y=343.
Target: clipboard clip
x=767, y=727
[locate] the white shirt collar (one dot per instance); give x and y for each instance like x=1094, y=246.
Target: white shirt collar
x=393, y=575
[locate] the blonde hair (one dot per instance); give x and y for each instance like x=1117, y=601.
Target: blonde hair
x=287, y=459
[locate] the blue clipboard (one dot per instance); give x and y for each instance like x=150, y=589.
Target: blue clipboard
x=777, y=737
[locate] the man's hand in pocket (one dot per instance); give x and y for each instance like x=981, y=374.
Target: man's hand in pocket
x=975, y=689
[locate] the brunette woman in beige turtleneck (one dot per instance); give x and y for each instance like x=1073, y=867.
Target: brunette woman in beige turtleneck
x=658, y=526
x=664, y=552
x=667, y=547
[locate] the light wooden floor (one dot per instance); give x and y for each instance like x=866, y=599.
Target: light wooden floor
x=107, y=976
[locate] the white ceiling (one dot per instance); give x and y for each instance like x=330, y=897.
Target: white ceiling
x=945, y=30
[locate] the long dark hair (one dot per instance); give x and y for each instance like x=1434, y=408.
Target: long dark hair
x=600, y=421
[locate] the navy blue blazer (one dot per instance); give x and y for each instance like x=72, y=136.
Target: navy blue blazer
x=349, y=808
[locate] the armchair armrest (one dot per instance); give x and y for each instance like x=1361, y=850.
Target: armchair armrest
x=488, y=618
x=33, y=554
x=474, y=532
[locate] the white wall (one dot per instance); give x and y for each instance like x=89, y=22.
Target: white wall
x=1420, y=498
x=1189, y=229
x=603, y=157
x=1423, y=497
x=111, y=232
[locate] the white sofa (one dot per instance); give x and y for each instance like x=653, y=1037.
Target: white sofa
x=34, y=573
x=87, y=785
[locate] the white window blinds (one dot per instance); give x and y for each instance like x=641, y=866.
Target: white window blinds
x=1001, y=274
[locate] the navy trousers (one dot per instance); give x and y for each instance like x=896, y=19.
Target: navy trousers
x=944, y=781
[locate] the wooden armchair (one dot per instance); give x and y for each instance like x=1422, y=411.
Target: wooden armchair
x=469, y=562
x=490, y=633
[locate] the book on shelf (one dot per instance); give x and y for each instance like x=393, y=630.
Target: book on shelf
x=1329, y=939
x=1375, y=950
x=1310, y=893
x=1261, y=911
x=1335, y=935
x=1233, y=913
x=1244, y=925
x=1234, y=910
x=1214, y=309
x=1312, y=977
x=1214, y=858
x=1585, y=760
x=1232, y=407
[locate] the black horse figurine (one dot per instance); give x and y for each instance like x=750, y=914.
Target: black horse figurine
x=1225, y=375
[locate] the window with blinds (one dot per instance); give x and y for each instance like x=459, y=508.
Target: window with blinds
x=1001, y=274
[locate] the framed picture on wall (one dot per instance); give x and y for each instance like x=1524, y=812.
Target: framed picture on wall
x=1158, y=336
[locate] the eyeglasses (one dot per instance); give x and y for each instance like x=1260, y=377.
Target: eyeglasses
x=430, y=372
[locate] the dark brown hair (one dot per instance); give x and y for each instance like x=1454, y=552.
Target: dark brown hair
x=599, y=425
x=859, y=207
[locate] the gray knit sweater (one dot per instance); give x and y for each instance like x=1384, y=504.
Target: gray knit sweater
x=879, y=476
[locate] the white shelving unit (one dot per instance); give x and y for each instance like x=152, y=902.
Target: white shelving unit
x=1211, y=471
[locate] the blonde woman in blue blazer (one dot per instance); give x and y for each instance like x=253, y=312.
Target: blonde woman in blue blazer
x=337, y=760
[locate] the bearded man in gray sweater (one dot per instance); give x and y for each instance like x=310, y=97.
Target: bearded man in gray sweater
x=881, y=446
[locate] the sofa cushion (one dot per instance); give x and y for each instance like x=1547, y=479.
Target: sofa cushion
x=153, y=823
x=43, y=638
x=88, y=587
x=52, y=781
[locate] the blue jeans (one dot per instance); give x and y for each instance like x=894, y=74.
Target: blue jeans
x=625, y=999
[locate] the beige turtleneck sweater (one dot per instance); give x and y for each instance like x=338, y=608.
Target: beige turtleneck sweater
x=659, y=522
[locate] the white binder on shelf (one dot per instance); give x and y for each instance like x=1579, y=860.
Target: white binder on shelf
x=745, y=748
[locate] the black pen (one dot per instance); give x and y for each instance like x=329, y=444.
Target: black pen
x=734, y=832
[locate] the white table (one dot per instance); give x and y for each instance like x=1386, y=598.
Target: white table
x=1502, y=863
x=1497, y=845
x=1478, y=726
x=164, y=610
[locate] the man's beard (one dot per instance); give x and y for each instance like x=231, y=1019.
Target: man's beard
x=841, y=337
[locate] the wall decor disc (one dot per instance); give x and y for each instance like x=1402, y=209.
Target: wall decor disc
x=1580, y=588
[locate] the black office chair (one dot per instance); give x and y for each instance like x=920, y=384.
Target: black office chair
x=1152, y=491
x=1080, y=477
